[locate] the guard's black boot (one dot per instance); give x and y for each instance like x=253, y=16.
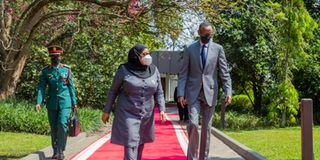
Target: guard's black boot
x=55, y=154
x=60, y=156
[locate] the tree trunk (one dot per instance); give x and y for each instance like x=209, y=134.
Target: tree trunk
x=249, y=96
x=284, y=110
x=257, y=101
x=10, y=76
x=283, y=117
x=257, y=91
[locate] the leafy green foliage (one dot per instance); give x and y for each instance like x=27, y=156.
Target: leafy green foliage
x=284, y=92
x=19, y=116
x=264, y=42
x=307, y=82
x=27, y=86
x=306, y=78
x=295, y=28
x=96, y=45
x=247, y=34
x=240, y=104
x=236, y=121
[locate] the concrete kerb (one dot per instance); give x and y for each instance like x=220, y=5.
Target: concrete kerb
x=241, y=149
x=46, y=153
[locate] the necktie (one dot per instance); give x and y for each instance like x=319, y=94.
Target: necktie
x=203, y=56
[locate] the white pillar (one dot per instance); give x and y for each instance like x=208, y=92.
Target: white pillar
x=168, y=82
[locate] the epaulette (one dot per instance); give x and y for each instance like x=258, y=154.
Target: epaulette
x=61, y=65
x=64, y=65
x=47, y=67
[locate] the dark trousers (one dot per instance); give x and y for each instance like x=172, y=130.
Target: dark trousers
x=183, y=112
x=58, y=120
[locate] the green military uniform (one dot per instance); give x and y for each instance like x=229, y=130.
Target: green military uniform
x=61, y=97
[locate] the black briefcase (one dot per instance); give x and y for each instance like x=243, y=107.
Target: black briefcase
x=74, y=124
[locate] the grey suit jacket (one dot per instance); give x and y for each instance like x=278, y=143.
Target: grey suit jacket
x=193, y=75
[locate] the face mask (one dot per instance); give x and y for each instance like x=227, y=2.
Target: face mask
x=55, y=60
x=206, y=38
x=146, y=60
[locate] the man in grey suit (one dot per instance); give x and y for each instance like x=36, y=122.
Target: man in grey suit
x=202, y=62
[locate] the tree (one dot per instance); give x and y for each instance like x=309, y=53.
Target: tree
x=21, y=21
x=17, y=31
x=295, y=27
x=306, y=78
x=95, y=45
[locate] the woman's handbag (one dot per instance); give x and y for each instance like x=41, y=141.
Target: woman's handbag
x=74, y=123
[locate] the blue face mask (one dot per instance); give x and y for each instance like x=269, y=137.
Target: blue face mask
x=55, y=60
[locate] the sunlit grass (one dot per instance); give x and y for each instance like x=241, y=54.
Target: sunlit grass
x=276, y=144
x=18, y=145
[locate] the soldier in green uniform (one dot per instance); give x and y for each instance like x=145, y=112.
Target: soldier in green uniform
x=61, y=97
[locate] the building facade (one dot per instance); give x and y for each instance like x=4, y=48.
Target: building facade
x=169, y=64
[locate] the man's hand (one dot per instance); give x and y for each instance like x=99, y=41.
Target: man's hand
x=74, y=106
x=227, y=100
x=163, y=116
x=182, y=101
x=37, y=107
x=105, y=117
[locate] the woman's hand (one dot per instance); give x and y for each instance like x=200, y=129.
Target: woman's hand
x=105, y=117
x=163, y=116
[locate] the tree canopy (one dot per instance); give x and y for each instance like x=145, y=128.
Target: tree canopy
x=272, y=46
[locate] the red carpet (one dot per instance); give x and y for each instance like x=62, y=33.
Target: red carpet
x=165, y=147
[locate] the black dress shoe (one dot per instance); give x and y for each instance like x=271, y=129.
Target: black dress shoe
x=60, y=156
x=55, y=156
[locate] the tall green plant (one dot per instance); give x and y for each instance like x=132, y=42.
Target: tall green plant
x=285, y=92
x=306, y=78
x=295, y=27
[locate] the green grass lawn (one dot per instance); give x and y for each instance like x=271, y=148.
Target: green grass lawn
x=277, y=144
x=17, y=145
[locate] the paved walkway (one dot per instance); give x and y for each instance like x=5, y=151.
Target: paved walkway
x=218, y=149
